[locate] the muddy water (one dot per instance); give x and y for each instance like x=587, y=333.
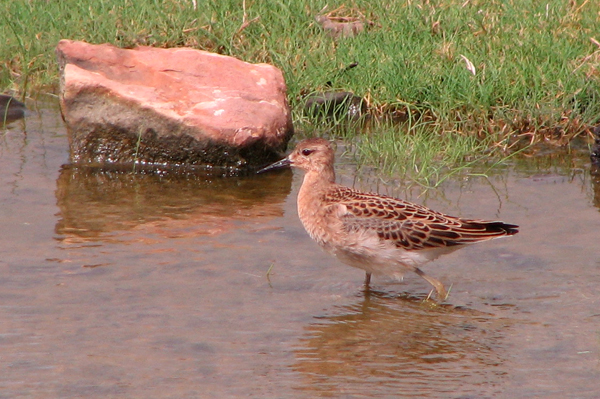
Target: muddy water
x=136, y=286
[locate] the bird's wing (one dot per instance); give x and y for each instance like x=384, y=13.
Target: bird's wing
x=410, y=226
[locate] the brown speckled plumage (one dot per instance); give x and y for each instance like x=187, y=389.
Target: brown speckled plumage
x=377, y=233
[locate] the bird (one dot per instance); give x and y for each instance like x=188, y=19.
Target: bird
x=380, y=234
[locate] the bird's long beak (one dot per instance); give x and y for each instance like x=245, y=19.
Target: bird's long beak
x=284, y=163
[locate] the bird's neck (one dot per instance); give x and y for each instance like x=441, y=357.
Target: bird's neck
x=320, y=178
x=310, y=201
x=315, y=183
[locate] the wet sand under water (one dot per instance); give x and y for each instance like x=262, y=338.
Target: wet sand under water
x=135, y=286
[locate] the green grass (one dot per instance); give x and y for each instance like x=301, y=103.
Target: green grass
x=537, y=63
x=428, y=158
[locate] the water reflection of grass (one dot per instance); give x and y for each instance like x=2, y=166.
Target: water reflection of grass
x=499, y=72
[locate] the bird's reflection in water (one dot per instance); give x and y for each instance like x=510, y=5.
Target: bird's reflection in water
x=402, y=347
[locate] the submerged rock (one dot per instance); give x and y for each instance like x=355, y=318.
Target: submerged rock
x=595, y=154
x=595, y=167
x=176, y=106
x=338, y=104
x=11, y=109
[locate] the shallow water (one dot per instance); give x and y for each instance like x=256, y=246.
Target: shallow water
x=121, y=285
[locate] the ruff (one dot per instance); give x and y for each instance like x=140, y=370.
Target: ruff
x=379, y=234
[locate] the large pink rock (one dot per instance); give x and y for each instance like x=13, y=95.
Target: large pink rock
x=176, y=106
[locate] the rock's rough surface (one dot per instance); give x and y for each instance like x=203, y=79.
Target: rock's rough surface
x=175, y=106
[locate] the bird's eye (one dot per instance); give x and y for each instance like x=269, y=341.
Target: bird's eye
x=307, y=151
